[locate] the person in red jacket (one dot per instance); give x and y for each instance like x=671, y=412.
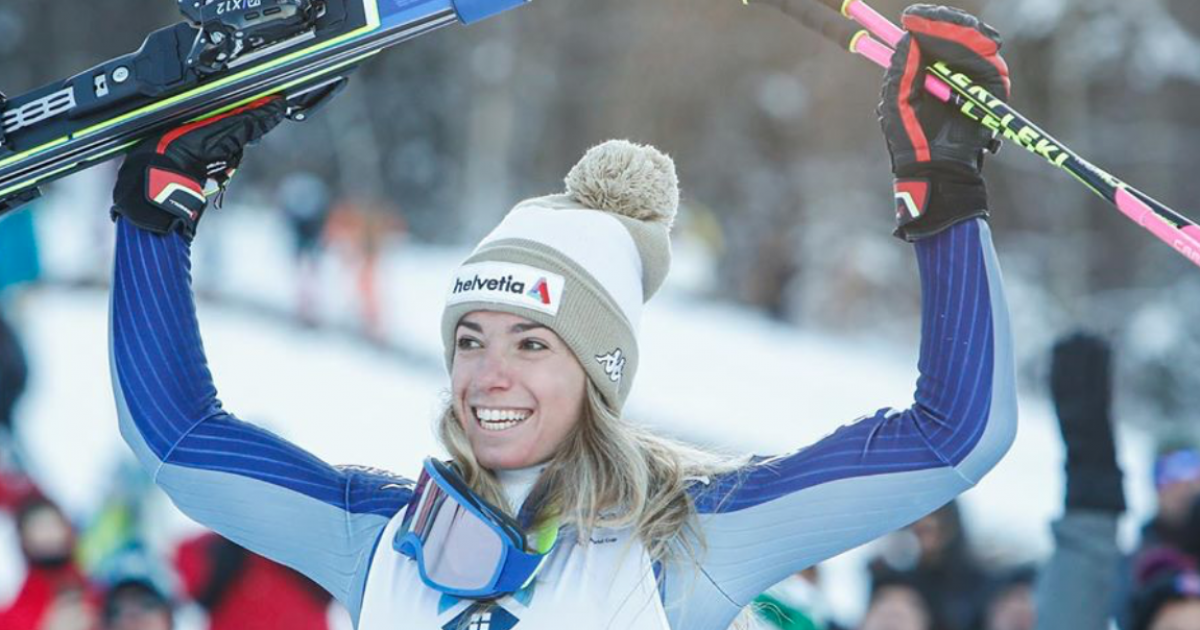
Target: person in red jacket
x=243, y=591
x=55, y=594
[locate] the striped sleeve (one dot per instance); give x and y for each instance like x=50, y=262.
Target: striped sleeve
x=781, y=514
x=242, y=481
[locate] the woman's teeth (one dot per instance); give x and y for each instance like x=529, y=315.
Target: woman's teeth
x=499, y=419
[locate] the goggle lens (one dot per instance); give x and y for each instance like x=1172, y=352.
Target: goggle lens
x=460, y=550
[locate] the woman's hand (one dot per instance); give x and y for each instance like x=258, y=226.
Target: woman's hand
x=936, y=152
x=160, y=187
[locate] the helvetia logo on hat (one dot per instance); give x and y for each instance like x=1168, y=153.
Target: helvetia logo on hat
x=508, y=283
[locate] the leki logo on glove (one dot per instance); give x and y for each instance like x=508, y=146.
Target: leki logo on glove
x=508, y=283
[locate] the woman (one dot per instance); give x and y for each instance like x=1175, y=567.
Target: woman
x=622, y=529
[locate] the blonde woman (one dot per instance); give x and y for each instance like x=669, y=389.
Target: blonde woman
x=553, y=509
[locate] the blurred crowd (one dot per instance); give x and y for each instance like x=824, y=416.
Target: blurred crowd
x=109, y=570
x=98, y=571
x=102, y=576
x=928, y=577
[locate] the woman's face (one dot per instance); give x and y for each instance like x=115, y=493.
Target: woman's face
x=518, y=389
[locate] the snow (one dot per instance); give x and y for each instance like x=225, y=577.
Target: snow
x=714, y=374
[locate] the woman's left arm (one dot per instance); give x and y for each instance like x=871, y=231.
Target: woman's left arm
x=779, y=515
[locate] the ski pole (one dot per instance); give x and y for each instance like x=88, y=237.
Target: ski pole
x=856, y=40
x=975, y=102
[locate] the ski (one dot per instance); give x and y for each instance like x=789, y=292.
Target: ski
x=226, y=53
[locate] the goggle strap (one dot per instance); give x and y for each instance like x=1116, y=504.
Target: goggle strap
x=519, y=569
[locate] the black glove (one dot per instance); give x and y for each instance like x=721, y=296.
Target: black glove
x=1081, y=383
x=160, y=187
x=936, y=152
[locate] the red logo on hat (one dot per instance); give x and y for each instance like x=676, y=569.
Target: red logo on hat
x=541, y=291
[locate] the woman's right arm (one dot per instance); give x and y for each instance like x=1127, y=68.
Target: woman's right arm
x=245, y=483
x=249, y=485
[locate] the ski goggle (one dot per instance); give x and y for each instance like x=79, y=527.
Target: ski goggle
x=463, y=545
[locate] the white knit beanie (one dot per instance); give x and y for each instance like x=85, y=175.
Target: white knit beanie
x=581, y=263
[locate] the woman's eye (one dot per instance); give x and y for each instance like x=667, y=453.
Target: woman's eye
x=467, y=343
x=533, y=344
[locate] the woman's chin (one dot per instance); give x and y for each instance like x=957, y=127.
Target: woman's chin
x=505, y=459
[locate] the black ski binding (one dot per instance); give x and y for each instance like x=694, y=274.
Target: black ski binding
x=230, y=29
x=303, y=104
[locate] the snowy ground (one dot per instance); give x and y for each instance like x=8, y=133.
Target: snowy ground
x=714, y=374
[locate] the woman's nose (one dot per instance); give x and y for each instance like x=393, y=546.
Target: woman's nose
x=494, y=371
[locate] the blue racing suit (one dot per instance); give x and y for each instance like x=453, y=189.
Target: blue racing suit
x=773, y=517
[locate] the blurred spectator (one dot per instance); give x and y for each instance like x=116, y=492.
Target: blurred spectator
x=14, y=372
x=899, y=601
x=306, y=203
x=243, y=591
x=1009, y=604
x=1168, y=594
x=362, y=228
x=137, y=592
x=1078, y=585
x=15, y=489
x=933, y=554
x=795, y=603
x=137, y=605
x=120, y=523
x=55, y=594
x=21, y=263
x=1177, y=523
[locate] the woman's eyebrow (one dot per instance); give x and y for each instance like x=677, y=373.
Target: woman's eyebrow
x=523, y=328
x=471, y=325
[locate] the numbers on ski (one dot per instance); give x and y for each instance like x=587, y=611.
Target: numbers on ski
x=230, y=29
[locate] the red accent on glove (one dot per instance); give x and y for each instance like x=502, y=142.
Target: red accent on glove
x=918, y=191
x=177, y=133
x=966, y=36
x=912, y=68
x=160, y=179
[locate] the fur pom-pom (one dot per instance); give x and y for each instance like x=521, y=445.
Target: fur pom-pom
x=633, y=180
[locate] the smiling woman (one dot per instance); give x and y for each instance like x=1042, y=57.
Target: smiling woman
x=553, y=506
x=518, y=390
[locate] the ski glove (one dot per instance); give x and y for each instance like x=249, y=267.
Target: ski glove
x=1081, y=384
x=936, y=152
x=160, y=187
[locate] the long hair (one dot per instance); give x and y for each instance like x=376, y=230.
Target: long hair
x=609, y=473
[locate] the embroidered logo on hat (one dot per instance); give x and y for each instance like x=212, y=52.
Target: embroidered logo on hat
x=614, y=364
x=508, y=283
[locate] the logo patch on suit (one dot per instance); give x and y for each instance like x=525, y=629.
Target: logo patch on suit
x=482, y=616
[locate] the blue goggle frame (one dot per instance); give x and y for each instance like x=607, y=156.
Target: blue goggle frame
x=514, y=568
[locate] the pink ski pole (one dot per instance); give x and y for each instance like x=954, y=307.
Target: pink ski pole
x=975, y=102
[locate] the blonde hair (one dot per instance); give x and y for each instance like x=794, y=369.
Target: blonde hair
x=608, y=473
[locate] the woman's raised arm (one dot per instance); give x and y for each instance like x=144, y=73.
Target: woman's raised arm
x=247, y=484
x=781, y=514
